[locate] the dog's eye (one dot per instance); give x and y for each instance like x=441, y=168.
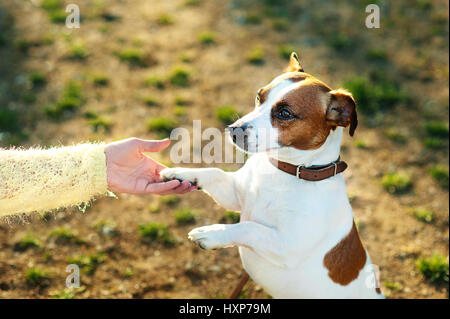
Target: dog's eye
x=285, y=114
x=257, y=100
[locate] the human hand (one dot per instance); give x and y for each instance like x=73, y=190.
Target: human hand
x=130, y=171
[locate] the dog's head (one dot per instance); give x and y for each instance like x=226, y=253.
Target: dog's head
x=294, y=110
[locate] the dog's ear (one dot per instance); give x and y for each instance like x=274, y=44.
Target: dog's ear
x=341, y=110
x=294, y=64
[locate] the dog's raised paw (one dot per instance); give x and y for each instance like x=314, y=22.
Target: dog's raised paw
x=179, y=173
x=210, y=237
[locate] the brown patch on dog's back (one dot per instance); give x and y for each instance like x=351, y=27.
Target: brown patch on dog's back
x=345, y=260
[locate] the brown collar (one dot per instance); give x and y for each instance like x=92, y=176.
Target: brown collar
x=312, y=173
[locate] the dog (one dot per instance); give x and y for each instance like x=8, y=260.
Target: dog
x=296, y=236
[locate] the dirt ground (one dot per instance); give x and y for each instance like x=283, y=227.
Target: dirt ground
x=413, y=35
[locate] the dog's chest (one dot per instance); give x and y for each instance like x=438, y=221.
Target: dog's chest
x=274, y=198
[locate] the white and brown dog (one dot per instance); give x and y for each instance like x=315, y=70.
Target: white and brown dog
x=296, y=237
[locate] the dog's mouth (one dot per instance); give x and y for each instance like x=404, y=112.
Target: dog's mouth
x=248, y=143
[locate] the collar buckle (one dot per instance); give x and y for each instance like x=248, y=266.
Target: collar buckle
x=297, y=174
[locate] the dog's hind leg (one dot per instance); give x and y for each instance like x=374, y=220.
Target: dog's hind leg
x=220, y=185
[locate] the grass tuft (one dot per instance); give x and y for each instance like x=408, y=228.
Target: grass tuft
x=100, y=80
x=155, y=232
x=26, y=242
x=154, y=81
x=374, y=96
x=37, y=79
x=207, y=37
x=441, y=175
x=184, y=216
x=396, y=183
x=78, y=51
x=162, y=125
x=71, y=100
x=434, y=268
x=106, y=228
x=232, y=217
x=64, y=236
x=256, y=56
x=423, y=214
x=165, y=19
x=88, y=263
x=227, y=114
x=134, y=57
x=180, y=77
x=37, y=277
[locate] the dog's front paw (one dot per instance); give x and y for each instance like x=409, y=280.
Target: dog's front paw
x=180, y=173
x=211, y=237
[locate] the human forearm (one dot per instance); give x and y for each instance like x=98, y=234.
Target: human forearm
x=41, y=180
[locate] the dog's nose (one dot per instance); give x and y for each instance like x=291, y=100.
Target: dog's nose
x=241, y=127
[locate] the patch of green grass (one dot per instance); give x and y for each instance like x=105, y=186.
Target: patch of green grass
x=100, y=123
x=37, y=277
x=88, y=263
x=132, y=56
x=434, y=268
x=26, y=242
x=150, y=100
x=395, y=136
x=165, y=19
x=396, y=183
x=256, y=56
x=29, y=97
x=339, y=41
x=50, y=5
x=37, y=78
x=207, y=37
x=22, y=45
x=361, y=144
x=192, y=2
x=434, y=143
x=180, y=77
x=71, y=100
x=170, y=200
x=129, y=272
x=374, y=96
x=285, y=50
x=154, y=81
x=227, y=114
x=106, y=228
x=252, y=18
x=377, y=54
x=78, y=51
x=100, y=80
x=441, y=175
x=437, y=129
x=179, y=111
x=163, y=125
x=280, y=25
x=66, y=293
x=155, y=232
x=154, y=208
x=393, y=286
x=64, y=236
x=9, y=121
x=423, y=214
x=181, y=101
x=184, y=216
x=232, y=217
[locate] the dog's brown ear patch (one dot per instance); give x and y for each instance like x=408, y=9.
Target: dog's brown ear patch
x=341, y=110
x=294, y=64
x=345, y=260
